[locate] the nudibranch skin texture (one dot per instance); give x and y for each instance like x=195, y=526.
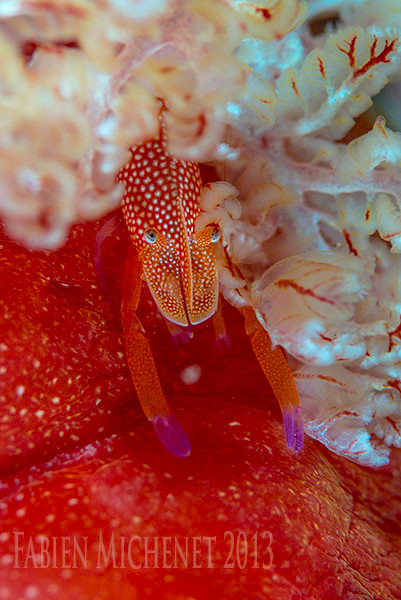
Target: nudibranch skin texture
x=160, y=206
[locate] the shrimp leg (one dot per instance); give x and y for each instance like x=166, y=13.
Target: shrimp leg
x=278, y=373
x=142, y=366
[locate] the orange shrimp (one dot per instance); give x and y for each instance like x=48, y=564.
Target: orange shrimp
x=160, y=205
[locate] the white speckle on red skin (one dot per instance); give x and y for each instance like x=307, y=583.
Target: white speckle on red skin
x=31, y=592
x=66, y=574
x=191, y=374
x=53, y=588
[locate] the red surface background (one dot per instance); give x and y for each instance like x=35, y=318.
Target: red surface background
x=77, y=456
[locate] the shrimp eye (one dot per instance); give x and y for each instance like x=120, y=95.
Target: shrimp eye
x=150, y=236
x=216, y=234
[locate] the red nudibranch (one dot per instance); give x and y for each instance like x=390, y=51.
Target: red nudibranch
x=160, y=206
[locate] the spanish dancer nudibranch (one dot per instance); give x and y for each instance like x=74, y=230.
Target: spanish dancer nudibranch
x=275, y=100
x=161, y=204
x=294, y=107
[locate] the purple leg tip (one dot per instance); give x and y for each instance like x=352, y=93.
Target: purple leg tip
x=294, y=429
x=222, y=342
x=172, y=435
x=182, y=336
